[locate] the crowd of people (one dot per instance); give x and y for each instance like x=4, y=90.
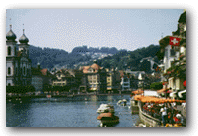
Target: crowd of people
x=166, y=112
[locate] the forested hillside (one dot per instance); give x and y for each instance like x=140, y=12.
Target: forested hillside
x=50, y=57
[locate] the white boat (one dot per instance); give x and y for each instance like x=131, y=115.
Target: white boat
x=104, y=108
x=122, y=102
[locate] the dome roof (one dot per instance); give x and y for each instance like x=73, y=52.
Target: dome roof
x=10, y=35
x=23, y=38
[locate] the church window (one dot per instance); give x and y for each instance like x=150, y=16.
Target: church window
x=9, y=50
x=9, y=71
x=14, y=50
x=16, y=71
x=24, y=70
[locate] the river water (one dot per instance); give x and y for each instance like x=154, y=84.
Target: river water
x=79, y=111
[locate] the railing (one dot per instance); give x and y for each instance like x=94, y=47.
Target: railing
x=147, y=119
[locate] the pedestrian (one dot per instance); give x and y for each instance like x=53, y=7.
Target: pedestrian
x=164, y=115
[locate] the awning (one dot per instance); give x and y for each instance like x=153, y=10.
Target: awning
x=164, y=83
x=180, y=94
x=161, y=90
x=169, y=91
x=138, y=92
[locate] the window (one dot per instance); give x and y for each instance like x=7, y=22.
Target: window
x=9, y=71
x=24, y=70
x=9, y=50
x=14, y=50
x=16, y=71
x=166, y=53
x=172, y=52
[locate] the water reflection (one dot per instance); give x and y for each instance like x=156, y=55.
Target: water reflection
x=65, y=112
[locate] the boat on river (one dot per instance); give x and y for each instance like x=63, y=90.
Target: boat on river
x=122, y=102
x=108, y=119
x=105, y=108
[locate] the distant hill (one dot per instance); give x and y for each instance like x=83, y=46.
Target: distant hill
x=50, y=57
x=131, y=59
x=106, y=57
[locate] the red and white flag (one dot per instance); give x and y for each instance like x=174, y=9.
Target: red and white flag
x=174, y=41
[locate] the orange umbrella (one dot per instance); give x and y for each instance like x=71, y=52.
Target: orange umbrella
x=161, y=90
x=137, y=91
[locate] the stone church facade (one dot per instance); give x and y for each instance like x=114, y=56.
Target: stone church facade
x=18, y=64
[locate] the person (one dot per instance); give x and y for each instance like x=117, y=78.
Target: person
x=164, y=115
x=180, y=117
x=170, y=117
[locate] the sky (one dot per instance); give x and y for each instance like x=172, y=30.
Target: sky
x=67, y=28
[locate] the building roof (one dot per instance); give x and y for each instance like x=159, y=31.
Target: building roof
x=44, y=71
x=95, y=66
x=121, y=73
x=11, y=35
x=23, y=38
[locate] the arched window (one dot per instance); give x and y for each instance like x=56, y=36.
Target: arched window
x=9, y=71
x=14, y=50
x=16, y=71
x=24, y=70
x=9, y=50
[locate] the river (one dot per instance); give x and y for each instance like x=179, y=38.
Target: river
x=78, y=111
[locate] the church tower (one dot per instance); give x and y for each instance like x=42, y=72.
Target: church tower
x=18, y=64
x=24, y=61
x=11, y=51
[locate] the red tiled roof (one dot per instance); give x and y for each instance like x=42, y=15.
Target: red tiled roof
x=95, y=66
x=44, y=71
x=85, y=69
x=121, y=73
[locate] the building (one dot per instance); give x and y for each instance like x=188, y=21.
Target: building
x=125, y=83
x=173, y=52
x=113, y=79
x=37, y=79
x=18, y=64
x=41, y=78
x=96, y=77
x=136, y=78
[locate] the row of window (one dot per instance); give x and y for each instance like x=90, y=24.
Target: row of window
x=25, y=70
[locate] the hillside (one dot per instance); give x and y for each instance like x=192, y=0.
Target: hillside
x=106, y=57
x=131, y=59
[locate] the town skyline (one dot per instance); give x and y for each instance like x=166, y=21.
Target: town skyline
x=66, y=29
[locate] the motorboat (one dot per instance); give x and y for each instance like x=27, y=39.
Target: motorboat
x=122, y=102
x=105, y=108
x=107, y=119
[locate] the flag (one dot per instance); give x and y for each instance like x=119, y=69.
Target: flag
x=174, y=41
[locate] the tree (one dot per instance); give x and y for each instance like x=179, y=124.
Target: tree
x=156, y=86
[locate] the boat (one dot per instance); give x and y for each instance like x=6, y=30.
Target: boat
x=104, y=108
x=107, y=119
x=122, y=102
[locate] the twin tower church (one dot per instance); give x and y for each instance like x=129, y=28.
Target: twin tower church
x=18, y=64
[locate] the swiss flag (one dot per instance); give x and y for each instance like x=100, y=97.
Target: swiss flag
x=174, y=41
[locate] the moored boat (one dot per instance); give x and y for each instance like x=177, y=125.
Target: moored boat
x=107, y=119
x=105, y=108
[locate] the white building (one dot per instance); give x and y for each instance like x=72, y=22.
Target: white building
x=18, y=64
x=125, y=83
